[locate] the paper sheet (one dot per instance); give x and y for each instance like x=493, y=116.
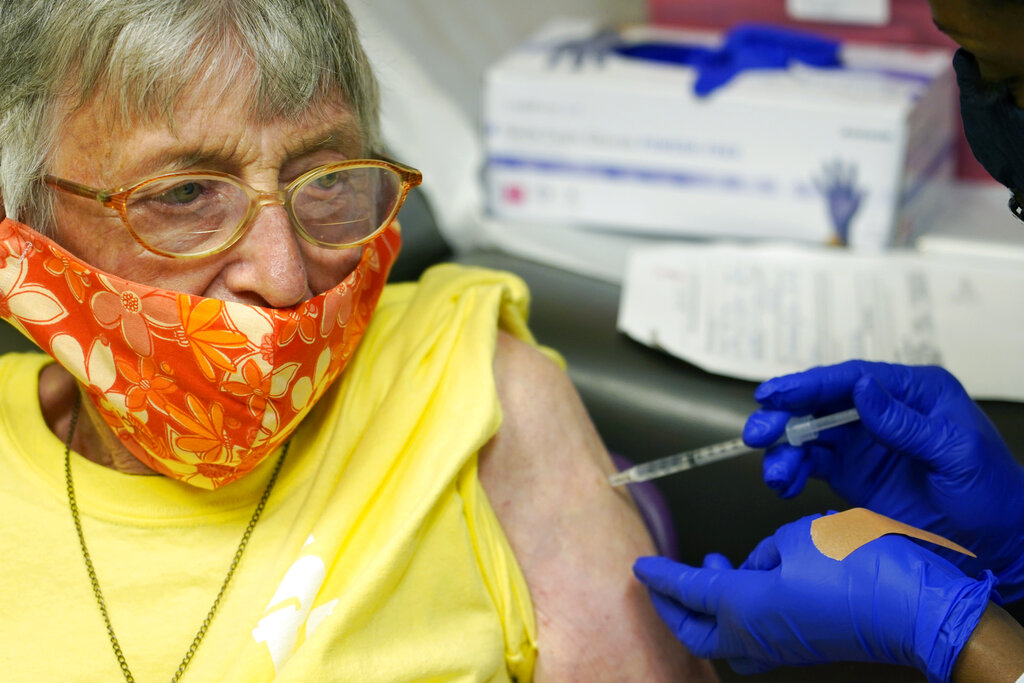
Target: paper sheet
x=757, y=311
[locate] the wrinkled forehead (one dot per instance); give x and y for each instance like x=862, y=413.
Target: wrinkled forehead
x=209, y=114
x=209, y=130
x=207, y=85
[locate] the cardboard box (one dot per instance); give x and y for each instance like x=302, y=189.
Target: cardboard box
x=855, y=155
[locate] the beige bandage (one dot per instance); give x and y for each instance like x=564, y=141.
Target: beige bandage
x=838, y=535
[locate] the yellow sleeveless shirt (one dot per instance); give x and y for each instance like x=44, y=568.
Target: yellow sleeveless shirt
x=378, y=557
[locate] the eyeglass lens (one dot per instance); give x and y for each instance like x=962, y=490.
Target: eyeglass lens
x=198, y=213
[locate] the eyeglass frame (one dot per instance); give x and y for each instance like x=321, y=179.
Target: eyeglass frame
x=117, y=199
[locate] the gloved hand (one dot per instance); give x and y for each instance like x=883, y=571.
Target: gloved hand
x=889, y=601
x=922, y=453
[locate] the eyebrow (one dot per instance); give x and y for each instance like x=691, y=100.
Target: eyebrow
x=343, y=138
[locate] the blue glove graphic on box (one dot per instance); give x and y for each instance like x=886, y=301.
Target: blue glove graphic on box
x=838, y=186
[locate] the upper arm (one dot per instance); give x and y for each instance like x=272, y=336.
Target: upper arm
x=575, y=538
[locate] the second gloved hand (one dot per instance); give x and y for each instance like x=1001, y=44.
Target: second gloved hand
x=922, y=453
x=889, y=601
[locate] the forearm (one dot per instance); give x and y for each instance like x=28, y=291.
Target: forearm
x=995, y=651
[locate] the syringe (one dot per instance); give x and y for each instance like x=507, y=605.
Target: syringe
x=798, y=431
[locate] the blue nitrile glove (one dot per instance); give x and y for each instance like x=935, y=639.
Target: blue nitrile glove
x=752, y=46
x=745, y=47
x=922, y=453
x=889, y=601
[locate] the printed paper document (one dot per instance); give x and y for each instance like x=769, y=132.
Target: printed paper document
x=756, y=311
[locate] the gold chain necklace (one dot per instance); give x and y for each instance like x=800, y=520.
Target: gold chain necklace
x=92, y=571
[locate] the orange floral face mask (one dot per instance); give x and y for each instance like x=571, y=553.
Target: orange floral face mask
x=198, y=389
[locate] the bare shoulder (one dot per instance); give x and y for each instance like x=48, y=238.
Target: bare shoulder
x=546, y=475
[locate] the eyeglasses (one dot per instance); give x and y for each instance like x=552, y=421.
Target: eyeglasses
x=190, y=215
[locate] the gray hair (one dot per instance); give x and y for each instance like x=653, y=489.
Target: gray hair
x=143, y=53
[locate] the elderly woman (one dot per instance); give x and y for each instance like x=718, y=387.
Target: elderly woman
x=346, y=481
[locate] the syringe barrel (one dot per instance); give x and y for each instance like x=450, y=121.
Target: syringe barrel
x=661, y=467
x=680, y=461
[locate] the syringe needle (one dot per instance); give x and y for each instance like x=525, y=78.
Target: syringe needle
x=798, y=431
x=680, y=461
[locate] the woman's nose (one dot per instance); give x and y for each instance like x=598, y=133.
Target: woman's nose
x=268, y=262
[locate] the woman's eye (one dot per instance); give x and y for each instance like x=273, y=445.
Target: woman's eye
x=184, y=193
x=328, y=180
